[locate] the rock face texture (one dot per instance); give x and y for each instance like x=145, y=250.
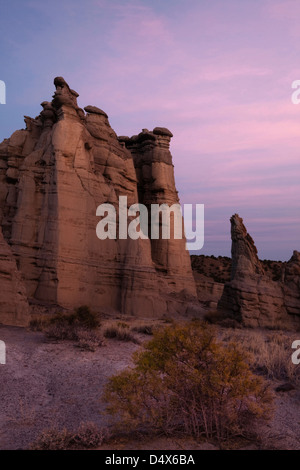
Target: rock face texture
x=14, y=307
x=208, y=291
x=291, y=280
x=251, y=296
x=53, y=176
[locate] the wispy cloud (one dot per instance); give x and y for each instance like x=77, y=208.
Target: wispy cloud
x=218, y=74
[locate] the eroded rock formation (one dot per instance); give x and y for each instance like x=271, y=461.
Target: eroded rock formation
x=251, y=296
x=53, y=175
x=14, y=308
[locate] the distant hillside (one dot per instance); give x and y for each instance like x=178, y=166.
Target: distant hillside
x=218, y=268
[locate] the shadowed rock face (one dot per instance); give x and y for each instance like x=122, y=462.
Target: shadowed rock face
x=251, y=296
x=53, y=175
x=14, y=308
x=243, y=251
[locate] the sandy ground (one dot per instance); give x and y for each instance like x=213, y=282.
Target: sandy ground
x=47, y=384
x=52, y=384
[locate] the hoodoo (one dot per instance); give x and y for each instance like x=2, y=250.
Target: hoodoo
x=252, y=297
x=53, y=175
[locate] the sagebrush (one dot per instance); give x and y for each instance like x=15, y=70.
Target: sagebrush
x=186, y=381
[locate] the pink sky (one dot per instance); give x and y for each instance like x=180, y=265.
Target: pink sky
x=218, y=74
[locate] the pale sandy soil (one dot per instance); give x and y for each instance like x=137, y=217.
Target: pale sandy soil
x=52, y=384
x=55, y=384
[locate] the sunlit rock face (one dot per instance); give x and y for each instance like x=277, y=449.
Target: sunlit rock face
x=251, y=296
x=53, y=176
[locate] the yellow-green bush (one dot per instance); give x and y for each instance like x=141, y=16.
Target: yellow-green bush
x=185, y=381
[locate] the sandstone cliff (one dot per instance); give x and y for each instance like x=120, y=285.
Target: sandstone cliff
x=14, y=308
x=53, y=175
x=251, y=296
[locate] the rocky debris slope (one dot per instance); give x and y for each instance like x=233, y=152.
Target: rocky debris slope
x=53, y=176
x=251, y=296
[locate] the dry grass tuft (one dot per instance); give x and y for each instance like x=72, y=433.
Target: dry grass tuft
x=121, y=333
x=88, y=436
x=144, y=329
x=270, y=352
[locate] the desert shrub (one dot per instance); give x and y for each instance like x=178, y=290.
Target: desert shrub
x=77, y=326
x=88, y=340
x=85, y=338
x=37, y=324
x=82, y=316
x=86, y=317
x=52, y=439
x=188, y=382
x=88, y=435
x=61, y=331
x=119, y=333
x=143, y=329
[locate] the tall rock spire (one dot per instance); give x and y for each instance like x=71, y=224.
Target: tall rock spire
x=53, y=175
x=243, y=250
x=252, y=297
